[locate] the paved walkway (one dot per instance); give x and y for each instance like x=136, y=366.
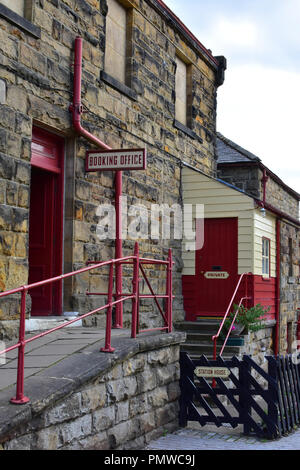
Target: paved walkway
x=49, y=350
x=223, y=438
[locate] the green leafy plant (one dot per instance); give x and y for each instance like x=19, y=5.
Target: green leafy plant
x=250, y=318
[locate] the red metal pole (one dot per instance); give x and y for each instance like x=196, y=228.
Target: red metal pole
x=169, y=291
x=76, y=110
x=118, y=248
x=135, y=286
x=277, y=286
x=20, y=399
x=108, y=347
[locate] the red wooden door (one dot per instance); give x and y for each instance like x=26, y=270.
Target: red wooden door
x=217, y=266
x=45, y=223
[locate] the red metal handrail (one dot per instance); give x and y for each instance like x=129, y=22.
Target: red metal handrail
x=216, y=336
x=136, y=261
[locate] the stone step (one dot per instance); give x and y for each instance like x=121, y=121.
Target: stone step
x=204, y=348
x=204, y=337
x=203, y=326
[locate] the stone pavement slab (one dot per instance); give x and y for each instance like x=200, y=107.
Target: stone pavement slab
x=51, y=349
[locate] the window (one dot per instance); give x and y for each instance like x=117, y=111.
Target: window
x=118, y=49
x=115, y=52
x=181, y=92
x=19, y=13
x=291, y=267
x=183, y=99
x=265, y=257
x=17, y=6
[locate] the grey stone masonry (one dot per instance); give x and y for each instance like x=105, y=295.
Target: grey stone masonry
x=96, y=400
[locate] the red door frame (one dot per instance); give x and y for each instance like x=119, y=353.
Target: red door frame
x=48, y=154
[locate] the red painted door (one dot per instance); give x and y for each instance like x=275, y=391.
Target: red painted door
x=45, y=223
x=217, y=266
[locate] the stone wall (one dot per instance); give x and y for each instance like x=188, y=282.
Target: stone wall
x=289, y=285
x=245, y=178
x=281, y=198
x=36, y=80
x=132, y=400
x=259, y=343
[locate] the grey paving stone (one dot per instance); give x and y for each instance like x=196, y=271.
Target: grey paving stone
x=199, y=440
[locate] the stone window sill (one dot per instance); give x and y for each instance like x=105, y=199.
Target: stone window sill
x=19, y=21
x=186, y=130
x=124, y=89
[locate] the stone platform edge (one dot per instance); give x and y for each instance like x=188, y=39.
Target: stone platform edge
x=63, y=378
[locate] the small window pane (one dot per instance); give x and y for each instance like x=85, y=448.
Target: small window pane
x=265, y=257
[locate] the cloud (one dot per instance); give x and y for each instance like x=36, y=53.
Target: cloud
x=234, y=33
x=258, y=108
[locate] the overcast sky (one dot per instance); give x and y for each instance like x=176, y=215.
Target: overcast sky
x=259, y=102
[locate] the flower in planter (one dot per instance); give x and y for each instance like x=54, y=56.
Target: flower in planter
x=249, y=318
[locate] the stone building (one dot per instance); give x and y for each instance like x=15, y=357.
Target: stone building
x=275, y=200
x=147, y=82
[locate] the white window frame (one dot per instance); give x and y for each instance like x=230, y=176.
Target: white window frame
x=266, y=256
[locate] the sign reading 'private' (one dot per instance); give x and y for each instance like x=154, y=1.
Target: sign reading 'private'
x=124, y=159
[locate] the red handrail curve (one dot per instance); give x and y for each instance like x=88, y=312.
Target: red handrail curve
x=216, y=336
x=135, y=259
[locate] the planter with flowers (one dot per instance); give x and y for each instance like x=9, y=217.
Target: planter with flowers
x=247, y=319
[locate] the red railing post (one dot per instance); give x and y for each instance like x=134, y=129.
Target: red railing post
x=169, y=290
x=108, y=347
x=20, y=399
x=135, y=288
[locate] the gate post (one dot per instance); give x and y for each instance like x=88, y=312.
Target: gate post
x=273, y=404
x=184, y=390
x=244, y=398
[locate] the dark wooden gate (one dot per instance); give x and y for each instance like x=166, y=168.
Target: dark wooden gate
x=265, y=403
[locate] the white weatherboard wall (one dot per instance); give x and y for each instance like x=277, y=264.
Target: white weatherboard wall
x=220, y=201
x=264, y=227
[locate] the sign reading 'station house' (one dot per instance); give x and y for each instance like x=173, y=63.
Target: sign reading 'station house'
x=114, y=160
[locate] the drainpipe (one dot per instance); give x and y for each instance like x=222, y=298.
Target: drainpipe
x=277, y=287
x=277, y=284
x=76, y=110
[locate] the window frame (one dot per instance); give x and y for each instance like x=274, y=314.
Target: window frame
x=123, y=87
x=188, y=127
x=266, y=257
x=179, y=59
x=21, y=21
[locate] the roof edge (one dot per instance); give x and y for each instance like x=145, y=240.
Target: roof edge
x=238, y=148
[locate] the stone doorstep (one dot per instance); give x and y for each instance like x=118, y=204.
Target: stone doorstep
x=55, y=382
x=46, y=323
